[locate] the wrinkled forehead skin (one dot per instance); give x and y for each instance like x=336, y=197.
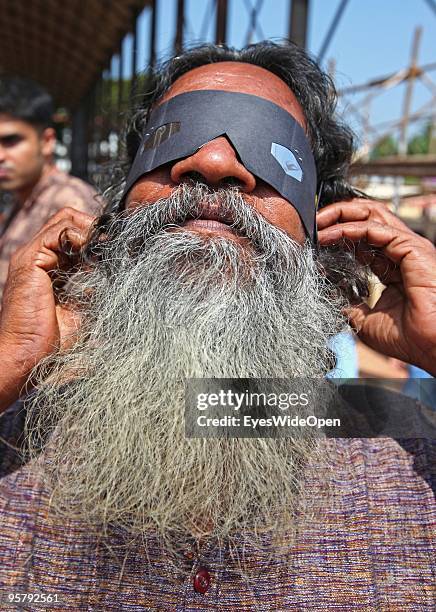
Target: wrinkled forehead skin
x=238, y=77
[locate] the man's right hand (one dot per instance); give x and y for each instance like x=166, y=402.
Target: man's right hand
x=32, y=325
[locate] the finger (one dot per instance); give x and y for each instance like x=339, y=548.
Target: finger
x=358, y=210
x=363, y=321
x=45, y=251
x=357, y=316
x=395, y=243
x=372, y=325
x=71, y=239
x=76, y=218
x=63, y=239
x=385, y=269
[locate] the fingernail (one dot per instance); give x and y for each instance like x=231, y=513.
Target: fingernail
x=329, y=235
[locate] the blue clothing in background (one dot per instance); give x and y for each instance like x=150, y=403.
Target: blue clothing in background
x=422, y=391
x=344, y=347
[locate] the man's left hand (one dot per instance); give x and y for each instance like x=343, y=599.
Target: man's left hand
x=402, y=324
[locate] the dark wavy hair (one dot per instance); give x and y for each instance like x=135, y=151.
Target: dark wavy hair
x=26, y=100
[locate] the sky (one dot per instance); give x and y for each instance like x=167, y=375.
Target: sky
x=373, y=38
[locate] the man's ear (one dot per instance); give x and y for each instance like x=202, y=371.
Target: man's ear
x=48, y=142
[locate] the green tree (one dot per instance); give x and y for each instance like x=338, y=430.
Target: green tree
x=384, y=147
x=420, y=143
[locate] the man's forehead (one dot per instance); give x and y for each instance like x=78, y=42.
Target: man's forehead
x=12, y=125
x=241, y=78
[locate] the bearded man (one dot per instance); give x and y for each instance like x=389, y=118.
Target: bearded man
x=206, y=266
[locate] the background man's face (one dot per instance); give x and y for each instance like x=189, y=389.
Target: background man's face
x=23, y=152
x=217, y=161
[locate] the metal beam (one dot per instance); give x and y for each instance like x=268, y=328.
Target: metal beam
x=135, y=30
x=409, y=74
x=254, y=27
x=120, y=81
x=221, y=22
x=298, y=22
x=410, y=165
x=432, y=5
x=153, y=31
x=180, y=23
x=402, y=145
x=79, y=139
x=402, y=142
x=332, y=29
x=98, y=111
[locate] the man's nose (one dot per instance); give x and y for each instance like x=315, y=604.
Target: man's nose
x=217, y=163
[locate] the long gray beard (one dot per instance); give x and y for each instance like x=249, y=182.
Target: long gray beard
x=160, y=307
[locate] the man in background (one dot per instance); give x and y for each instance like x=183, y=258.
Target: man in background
x=38, y=189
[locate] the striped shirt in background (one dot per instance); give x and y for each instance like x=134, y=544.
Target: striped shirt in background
x=54, y=191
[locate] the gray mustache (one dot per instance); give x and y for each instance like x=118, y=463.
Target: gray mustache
x=140, y=225
x=226, y=206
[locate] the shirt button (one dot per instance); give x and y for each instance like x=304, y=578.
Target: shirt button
x=201, y=580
